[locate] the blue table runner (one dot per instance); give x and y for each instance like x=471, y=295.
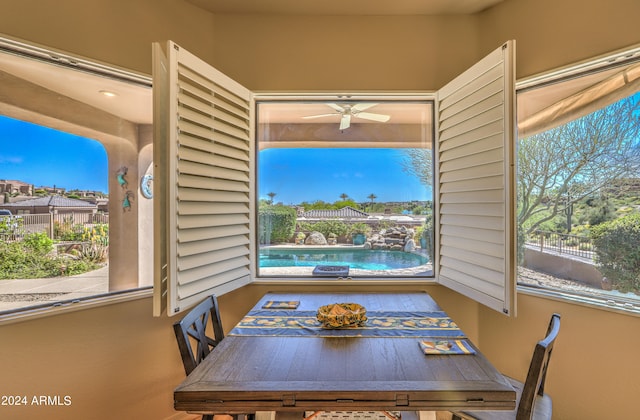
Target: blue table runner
x=379, y=324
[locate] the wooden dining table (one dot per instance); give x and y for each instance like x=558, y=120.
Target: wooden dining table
x=279, y=358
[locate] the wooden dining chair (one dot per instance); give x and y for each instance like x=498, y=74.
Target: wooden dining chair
x=531, y=401
x=193, y=341
x=191, y=333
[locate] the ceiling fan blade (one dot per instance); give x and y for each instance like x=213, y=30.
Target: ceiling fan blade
x=319, y=116
x=337, y=107
x=363, y=106
x=373, y=117
x=345, y=122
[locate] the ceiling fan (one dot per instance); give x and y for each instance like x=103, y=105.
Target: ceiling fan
x=347, y=111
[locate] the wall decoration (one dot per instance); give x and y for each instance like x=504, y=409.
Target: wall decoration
x=126, y=202
x=120, y=175
x=146, y=186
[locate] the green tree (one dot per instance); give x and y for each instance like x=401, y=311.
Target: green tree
x=316, y=205
x=419, y=162
x=349, y=202
x=560, y=167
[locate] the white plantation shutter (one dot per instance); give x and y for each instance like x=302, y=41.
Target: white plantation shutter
x=476, y=154
x=204, y=161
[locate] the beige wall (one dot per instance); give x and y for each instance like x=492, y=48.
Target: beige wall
x=118, y=32
x=119, y=362
x=594, y=371
x=555, y=33
x=594, y=368
x=115, y=362
x=344, y=53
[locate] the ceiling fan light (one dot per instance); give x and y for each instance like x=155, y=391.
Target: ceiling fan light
x=345, y=121
x=108, y=93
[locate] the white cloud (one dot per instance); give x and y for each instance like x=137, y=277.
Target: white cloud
x=13, y=160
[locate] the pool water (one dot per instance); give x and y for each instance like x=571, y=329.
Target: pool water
x=366, y=259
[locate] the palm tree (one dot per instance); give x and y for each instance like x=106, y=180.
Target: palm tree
x=271, y=195
x=344, y=196
x=371, y=197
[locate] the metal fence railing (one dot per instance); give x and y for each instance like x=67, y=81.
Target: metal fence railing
x=64, y=226
x=560, y=243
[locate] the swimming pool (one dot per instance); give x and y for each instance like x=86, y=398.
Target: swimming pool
x=366, y=259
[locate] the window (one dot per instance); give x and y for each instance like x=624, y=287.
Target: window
x=206, y=206
x=579, y=182
x=76, y=153
x=345, y=189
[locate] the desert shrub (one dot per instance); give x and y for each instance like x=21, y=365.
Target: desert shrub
x=11, y=225
x=616, y=245
x=359, y=227
x=97, y=248
x=67, y=230
x=98, y=234
x=327, y=227
x=26, y=259
x=31, y=258
x=72, y=266
x=39, y=243
x=427, y=234
x=276, y=223
x=601, y=214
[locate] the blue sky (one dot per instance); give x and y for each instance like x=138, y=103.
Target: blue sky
x=45, y=157
x=297, y=175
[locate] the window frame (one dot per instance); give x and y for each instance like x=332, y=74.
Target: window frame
x=608, y=61
x=33, y=111
x=167, y=97
x=292, y=97
x=590, y=65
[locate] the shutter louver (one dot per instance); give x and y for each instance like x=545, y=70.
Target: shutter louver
x=209, y=164
x=476, y=135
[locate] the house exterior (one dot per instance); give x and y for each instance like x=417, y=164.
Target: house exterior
x=10, y=187
x=113, y=359
x=54, y=204
x=343, y=213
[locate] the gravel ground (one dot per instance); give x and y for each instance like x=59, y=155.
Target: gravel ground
x=29, y=297
x=537, y=278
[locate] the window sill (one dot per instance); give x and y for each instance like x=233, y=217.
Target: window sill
x=602, y=302
x=347, y=281
x=62, y=307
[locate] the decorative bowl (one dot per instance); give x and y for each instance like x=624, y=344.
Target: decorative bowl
x=338, y=315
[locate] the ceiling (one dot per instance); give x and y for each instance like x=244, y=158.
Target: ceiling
x=294, y=112
x=284, y=124
x=350, y=7
x=132, y=102
x=66, y=76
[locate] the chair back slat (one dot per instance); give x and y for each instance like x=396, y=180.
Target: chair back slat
x=534, y=384
x=193, y=329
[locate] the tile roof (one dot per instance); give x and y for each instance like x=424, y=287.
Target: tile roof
x=51, y=200
x=345, y=212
